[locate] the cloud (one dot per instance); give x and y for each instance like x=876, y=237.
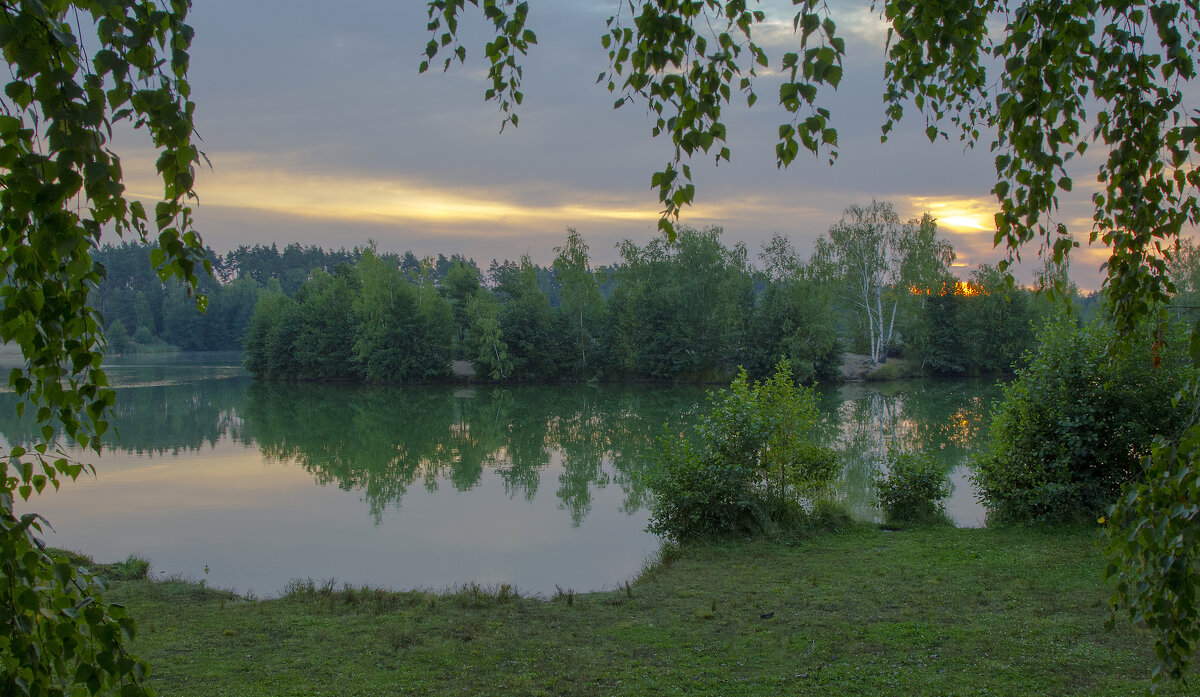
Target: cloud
x=353, y=197
x=961, y=215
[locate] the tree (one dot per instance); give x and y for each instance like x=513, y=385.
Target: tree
x=681, y=308
x=525, y=321
x=1184, y=269
x=323, y=348
x=268, y=337
x=459, y=286
x=880, y=263
x=997, y=328
x=485, y=346
x=60, y=185
x=792, y=319
x=118, y=337
x=581, y=304
x=1072, y=75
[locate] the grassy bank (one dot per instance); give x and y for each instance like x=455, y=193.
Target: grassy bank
x=862, y=612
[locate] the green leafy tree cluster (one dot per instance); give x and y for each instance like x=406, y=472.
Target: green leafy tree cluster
x=680, y=308
x=164, y=312
x=527, y=324
x=753, y=465
x=983, y=326
x=365, y=323
x=1077, y=422
x=290, y=267
x=877, y=262
x=581, y=308
x=793, y=320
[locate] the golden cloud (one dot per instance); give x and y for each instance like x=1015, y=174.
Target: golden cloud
x=959, y=215
x=349, y=197
x=245, y=183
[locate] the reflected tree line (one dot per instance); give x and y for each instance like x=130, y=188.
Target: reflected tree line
x=381, y=441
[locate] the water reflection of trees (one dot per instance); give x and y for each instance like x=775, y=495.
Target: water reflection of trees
x=381, y=441
x=946, y=418
x=154, y=419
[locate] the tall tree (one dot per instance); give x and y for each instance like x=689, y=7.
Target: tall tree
x=323, y=347
x=880, y=263
x=525, y=321
x=580, y=303
x=792, y=319
x=485, y=345
x=460, y=284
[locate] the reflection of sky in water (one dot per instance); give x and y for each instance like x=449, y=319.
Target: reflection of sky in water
x=257, y=525
x=428, y=487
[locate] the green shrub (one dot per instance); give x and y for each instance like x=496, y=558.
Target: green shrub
x=1075, y=424
x=830, y=516
x=753, y=468
x=912, y=489
x=132, y=569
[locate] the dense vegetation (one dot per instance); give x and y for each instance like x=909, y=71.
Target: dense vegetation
x=754, y=465
x=912, y=489
x=690, y=310
x=1077, y=422
x=142, y=311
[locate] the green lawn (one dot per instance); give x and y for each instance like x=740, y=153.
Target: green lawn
x=863, y=612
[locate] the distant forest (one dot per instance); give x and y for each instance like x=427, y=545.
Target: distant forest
x=693, y=310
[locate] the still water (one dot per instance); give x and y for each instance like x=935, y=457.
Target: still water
x=211, y=475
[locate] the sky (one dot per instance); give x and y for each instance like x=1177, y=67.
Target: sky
x=321, y=131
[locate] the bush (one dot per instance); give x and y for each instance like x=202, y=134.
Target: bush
x=912, y=489
x=753, y=468
x=132, y=569
x=1075, y=424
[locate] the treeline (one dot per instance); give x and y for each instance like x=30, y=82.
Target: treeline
x=689, y=310
x=141, y=312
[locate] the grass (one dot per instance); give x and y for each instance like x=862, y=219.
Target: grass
x=924, y=611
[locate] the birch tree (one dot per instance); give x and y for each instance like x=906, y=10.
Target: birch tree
x=863, y=251
x=879, y=263
x=486, y=347
x=582, y=303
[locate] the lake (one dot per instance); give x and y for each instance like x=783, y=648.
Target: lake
x=246, y=485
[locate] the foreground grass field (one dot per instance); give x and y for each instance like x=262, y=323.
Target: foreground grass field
x=862, y=612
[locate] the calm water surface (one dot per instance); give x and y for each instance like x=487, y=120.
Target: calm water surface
x=540, y=487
